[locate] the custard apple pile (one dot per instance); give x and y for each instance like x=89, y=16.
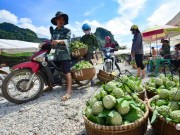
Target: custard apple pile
x=112, y=106
x=162, y=82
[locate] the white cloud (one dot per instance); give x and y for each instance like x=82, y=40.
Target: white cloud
x=130, y=8
x=93, y=10
x=6, y=16
x=88, y=13
x=25, y=20
x=120, y=25
x=76, y=28
x=164, y=13
x=41, y=31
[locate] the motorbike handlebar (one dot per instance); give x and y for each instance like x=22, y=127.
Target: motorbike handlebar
x=46, y=46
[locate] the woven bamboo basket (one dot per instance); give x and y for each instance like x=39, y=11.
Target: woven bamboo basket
x=161, y=126
x=83, y=74
x=104, y=79
x=139, y=127
x=79, y=52
x=150, y=94
x=104, y=76
x=103, y=73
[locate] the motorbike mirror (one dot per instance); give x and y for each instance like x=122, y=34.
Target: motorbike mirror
x=51, y=29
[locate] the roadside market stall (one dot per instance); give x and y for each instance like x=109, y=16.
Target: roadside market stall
x=16, y=46
x=156, y=33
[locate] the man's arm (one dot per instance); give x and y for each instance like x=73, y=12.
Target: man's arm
x=65, y=41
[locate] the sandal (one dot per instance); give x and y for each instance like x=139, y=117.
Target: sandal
x=66, y=97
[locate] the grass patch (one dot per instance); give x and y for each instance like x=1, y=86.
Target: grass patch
x=16, y=54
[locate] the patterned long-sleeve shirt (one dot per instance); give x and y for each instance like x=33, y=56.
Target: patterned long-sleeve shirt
x=91, y=41
x=62, y=51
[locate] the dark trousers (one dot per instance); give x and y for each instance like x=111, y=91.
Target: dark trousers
x=176, y=63
x=139, y=61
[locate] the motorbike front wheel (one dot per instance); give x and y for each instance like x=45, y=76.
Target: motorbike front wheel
x=108, y=67
x=3, y=74
x=14, y=86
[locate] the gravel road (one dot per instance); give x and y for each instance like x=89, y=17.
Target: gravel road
x=48, y=115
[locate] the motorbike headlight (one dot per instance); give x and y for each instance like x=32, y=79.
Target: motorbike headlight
x=108, y=54
x=39, y=58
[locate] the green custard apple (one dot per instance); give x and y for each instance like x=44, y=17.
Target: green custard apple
x=174, y=105
x=109, y=101
x=158, y=82
x=97, y=108
x=118, y=92
x=175, y=115
x=110, y=86
x=123, y=107
x=163, y=110
x=116, y=119
x=174, y=95
x=164, y=93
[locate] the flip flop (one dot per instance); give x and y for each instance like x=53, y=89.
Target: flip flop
x=66, y=97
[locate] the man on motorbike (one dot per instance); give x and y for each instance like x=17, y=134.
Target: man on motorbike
x=90, y=40
x=109, y=43
x=60, y=41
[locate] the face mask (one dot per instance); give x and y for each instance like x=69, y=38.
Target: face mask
x=87, y=32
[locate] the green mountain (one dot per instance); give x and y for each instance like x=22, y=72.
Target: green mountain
x=101, y=33
x=10, y=31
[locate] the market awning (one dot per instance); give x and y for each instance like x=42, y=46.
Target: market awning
x=159, y=32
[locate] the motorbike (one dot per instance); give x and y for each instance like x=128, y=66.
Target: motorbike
x=109, y=59
x=110, y=63
x=26, y=81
